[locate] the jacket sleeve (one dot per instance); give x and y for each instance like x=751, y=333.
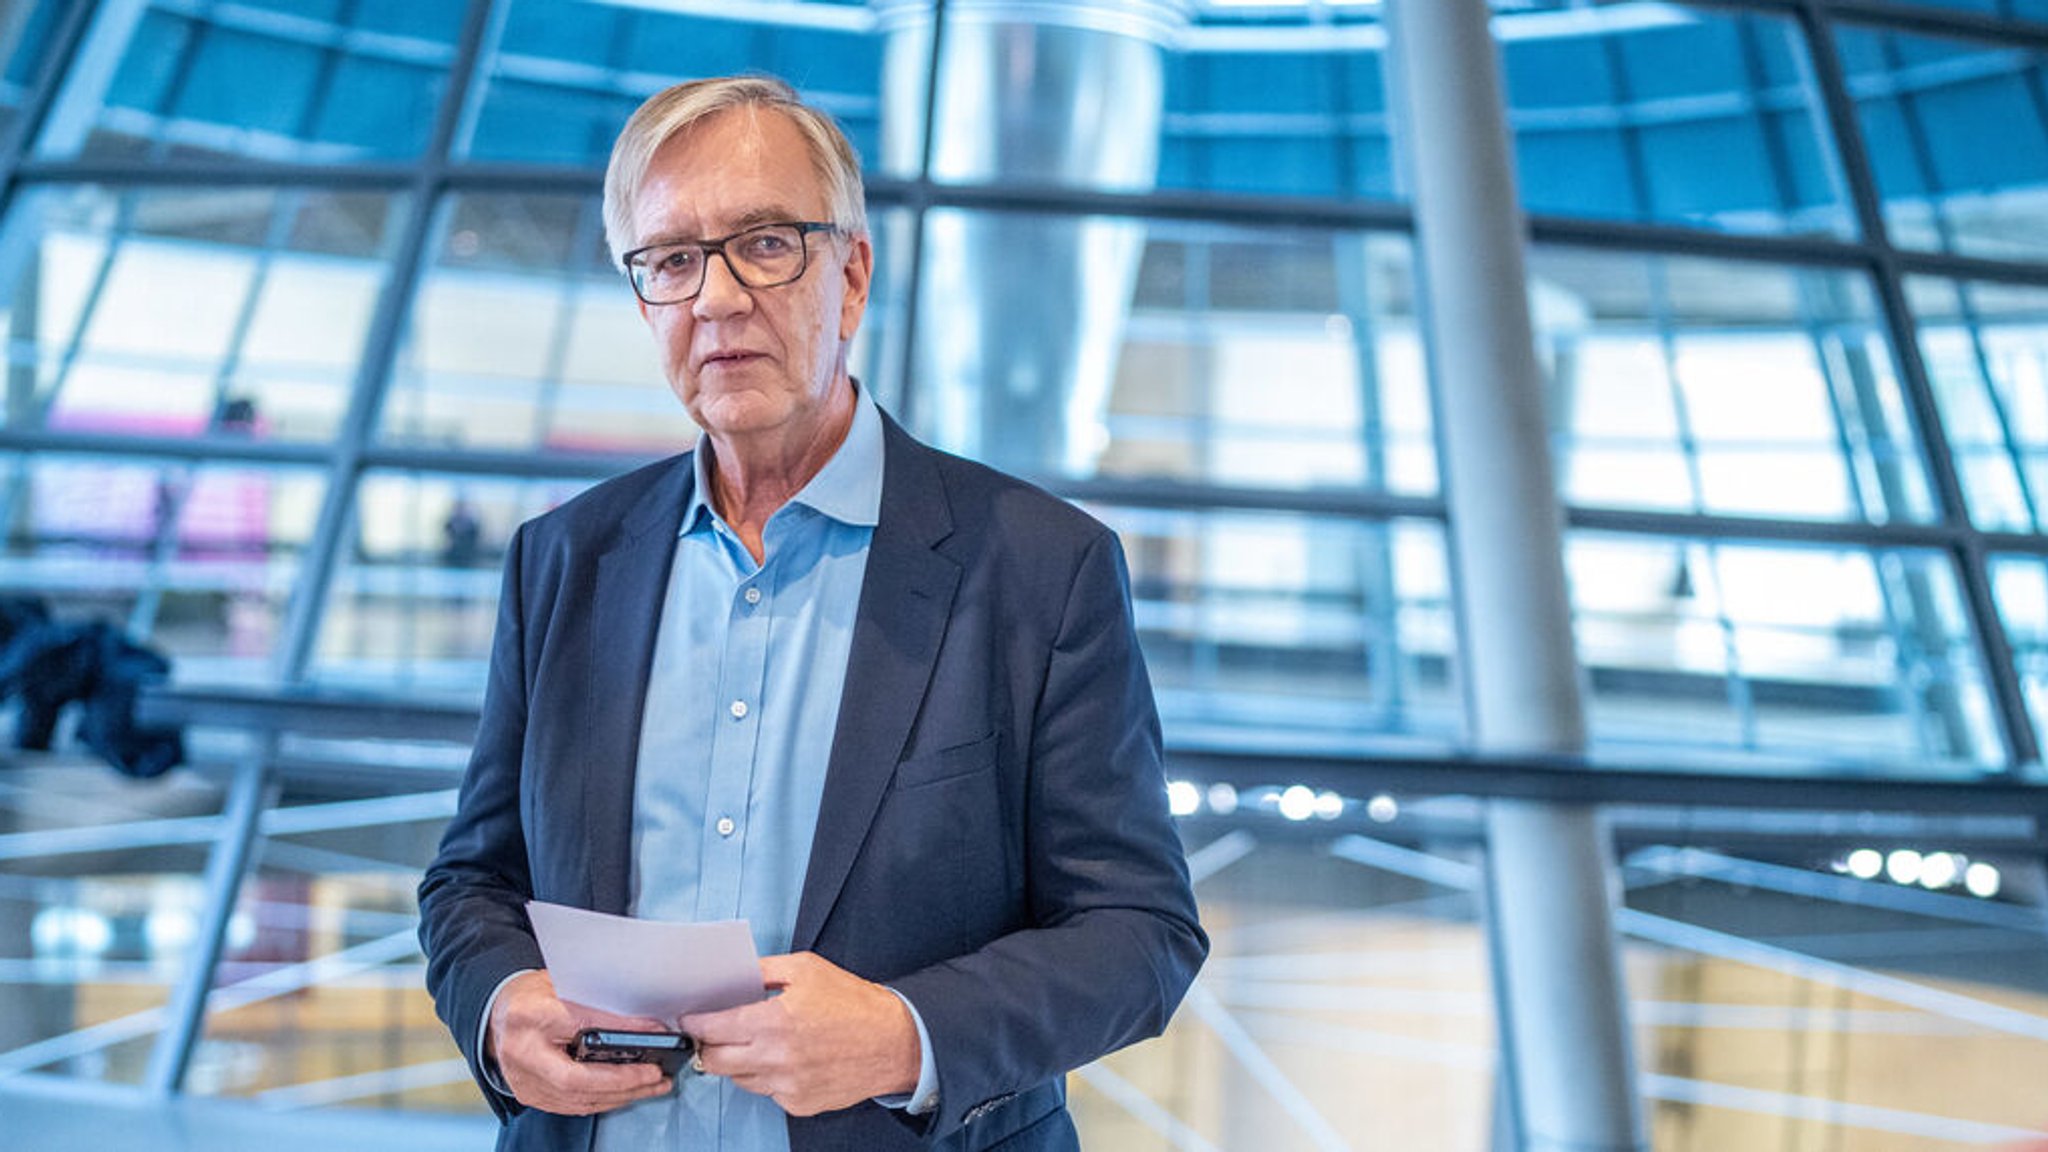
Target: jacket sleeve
x=1113, y=940
x=473, y=925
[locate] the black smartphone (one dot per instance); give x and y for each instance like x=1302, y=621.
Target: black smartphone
x=668, y=1050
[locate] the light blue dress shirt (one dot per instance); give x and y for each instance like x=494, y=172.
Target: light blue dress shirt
x=742, y=704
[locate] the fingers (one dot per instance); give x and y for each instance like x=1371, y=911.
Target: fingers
x=831, y=1039
x=529, y=1037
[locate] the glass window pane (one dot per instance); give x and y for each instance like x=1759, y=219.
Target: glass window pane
x=1837, y=654
x=320, y=997
x=1986, y=349
x=414, y=601
x=2020, y=585
x=1298, y=119
x=523, y=336
x=1658, y=367
x=566, y=75
x=1255, y=357
x=1782, y=1001
x=1703, y=117
x=1955, y=132
x=95, y=931
x=1291, y=631
x=2009, y=9
x=170, y=312
x=1344, y=1004
x=26, y=27
x=279, y=83
x=196, y=560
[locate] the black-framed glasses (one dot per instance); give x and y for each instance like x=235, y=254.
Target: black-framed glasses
x=764, y=256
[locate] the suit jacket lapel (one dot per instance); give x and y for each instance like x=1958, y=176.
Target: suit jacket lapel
x=632, y=579
x=905, y=600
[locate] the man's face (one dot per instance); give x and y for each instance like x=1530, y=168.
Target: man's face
x=751, y=361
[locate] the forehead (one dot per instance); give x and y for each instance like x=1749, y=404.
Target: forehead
x=734, y=168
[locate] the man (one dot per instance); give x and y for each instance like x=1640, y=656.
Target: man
x=885, y=704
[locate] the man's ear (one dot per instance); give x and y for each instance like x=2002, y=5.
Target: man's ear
x=860, y=274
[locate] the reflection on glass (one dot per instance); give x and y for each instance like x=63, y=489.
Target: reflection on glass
x=1361, y=994
x=1791, y=964
x=1279, y=630
x=25, y=30
x=2010, y=9
x=327, y=926
x=1660, y=366
x=237, y=312
x=2020, y=585
x=1838, y=654
x=1956, y=135
x=566, y=74
x=94, y=938
x=524, y=336
x=195, y=560
x=414, y=602
x=1294, y=121
x=1161, y=350
x=1700, y=117
x=1986, y=349
x=320, y=83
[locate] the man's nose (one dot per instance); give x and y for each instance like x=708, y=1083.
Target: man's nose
x=722, y=294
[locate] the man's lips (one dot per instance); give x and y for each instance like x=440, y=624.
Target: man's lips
x=728, y=358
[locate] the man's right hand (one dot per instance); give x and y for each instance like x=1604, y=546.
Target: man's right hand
x=529, y=1036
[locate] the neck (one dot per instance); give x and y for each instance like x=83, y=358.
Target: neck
x=753, y=477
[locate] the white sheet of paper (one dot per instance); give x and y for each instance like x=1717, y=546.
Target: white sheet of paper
x=646, y=967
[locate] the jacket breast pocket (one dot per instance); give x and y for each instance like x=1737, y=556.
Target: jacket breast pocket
x=959, y=760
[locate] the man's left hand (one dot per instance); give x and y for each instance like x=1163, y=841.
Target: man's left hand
x=829, y=1040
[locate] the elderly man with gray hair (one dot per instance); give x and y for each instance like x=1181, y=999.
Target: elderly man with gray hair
x=885, y=704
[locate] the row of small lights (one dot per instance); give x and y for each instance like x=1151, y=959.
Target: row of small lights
x=1296, y=802
x=1934, y=871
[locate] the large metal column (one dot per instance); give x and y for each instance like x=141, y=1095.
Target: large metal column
x=1551, y=889
x=1020, y=318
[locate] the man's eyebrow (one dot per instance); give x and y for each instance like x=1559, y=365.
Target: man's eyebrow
x=751, y=218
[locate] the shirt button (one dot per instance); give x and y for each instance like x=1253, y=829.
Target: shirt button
x=739, y=709
x=753, y=595
x=726, y=826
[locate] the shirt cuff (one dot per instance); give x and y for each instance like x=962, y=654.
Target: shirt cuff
x=925, y=1097
x=483, y=1034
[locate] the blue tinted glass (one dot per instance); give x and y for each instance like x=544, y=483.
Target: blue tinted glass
x=1956, y=132
x=1700, y=118
x=2010, y=9
x=1695, y=59
x=1582, y=172
x=549, y=125
x=567, y=74
x=31, y=43
x=1281, y=123
x=278, y=83
x=379, y=106
x=1558, y=72
x=144, y=78
x=229, y=68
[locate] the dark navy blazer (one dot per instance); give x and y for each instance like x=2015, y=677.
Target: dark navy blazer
x=994, y=840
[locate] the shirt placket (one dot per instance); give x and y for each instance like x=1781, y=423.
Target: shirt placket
x=736, y=738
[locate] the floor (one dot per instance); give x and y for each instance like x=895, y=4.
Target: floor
x=47, y=1112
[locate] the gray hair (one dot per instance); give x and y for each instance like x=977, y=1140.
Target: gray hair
x=676, y=108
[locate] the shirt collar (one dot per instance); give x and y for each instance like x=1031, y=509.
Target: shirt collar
x=847, y=489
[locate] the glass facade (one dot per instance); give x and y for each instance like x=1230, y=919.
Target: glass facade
x=306, y=306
